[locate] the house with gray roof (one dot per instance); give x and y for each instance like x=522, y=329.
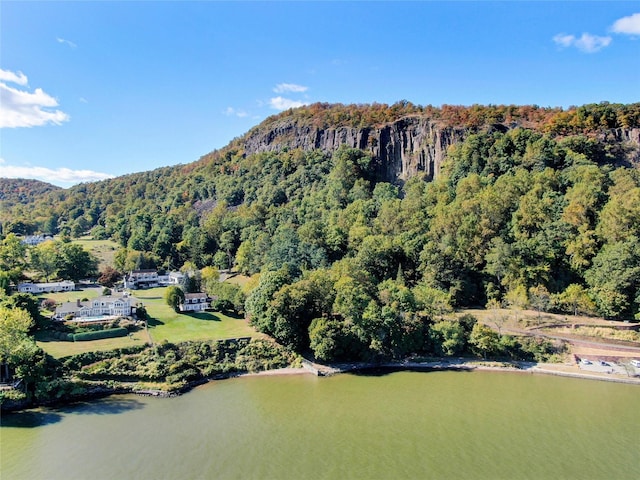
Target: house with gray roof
x=122, y=305
x=49, y=287
x=194, y=302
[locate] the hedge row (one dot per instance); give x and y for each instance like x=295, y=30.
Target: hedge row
x=99, y=334
x=64, y=336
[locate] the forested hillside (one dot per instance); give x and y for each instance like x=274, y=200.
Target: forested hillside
x=18, y=190
x=529, y=205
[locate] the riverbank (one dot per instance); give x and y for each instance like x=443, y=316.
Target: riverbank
x=321, y=370
x=460, y=364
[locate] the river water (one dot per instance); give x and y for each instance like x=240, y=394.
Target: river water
x=403, y=425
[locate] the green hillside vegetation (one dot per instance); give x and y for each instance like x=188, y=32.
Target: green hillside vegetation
x=19, y=190
x=546, y=214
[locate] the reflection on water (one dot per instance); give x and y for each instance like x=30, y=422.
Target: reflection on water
x=111, y=406
x=29, y=419
x=46, y=416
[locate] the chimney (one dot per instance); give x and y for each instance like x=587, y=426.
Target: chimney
x=78, y=303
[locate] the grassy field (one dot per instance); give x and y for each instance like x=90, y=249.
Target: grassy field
x=58, y=349
x=104, y=250
x=61, y=297
x=166, y=324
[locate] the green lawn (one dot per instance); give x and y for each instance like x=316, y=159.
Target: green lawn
x=166, y=324
x=62, y=297
x=104, y=250
x=58, y=349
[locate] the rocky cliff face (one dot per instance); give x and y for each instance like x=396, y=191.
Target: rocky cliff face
x=630, y=137
x=400, y=150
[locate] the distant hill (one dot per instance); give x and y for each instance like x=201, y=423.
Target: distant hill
x=20, y=190
x=403, y=140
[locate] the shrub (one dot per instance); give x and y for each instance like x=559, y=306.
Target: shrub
x=49, y=304
x=100, y=334
x=12, y=395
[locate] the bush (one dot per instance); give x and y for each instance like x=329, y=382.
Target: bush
x=49, y=304
x=12, y=395
x=100, y=334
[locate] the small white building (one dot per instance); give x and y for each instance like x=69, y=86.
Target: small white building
x=35, y=239
x=35, y=288
x=111, y=305
x=194, y=302
x=172, y=278
x=176, y=278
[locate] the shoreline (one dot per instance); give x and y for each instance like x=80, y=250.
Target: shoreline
x=320, y=370
x=555, y=369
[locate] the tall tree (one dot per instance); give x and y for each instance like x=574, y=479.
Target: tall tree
x=614, y=279
x=174, y=296
x=45, y=258
x=75, y=263
x=15, y=324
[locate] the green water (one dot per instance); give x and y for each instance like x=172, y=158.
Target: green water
x=402, y=425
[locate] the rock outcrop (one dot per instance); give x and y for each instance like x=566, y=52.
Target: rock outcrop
x=400, y=149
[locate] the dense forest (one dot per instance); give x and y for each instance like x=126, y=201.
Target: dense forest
x=544, y=212
x=19, y=190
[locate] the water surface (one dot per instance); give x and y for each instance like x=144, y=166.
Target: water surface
x=404, y=425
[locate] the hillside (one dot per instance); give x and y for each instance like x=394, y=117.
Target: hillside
x=17, y=190
x=370, y=221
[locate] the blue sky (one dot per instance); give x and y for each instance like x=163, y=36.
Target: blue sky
x=90, y=90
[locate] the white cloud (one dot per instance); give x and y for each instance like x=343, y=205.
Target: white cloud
x=564, y=40
x=66, y=42
x=57, y=176
x=21, y=108
x=289, y=87
x=12, y=77
x=280, y=103
x=586, y=43
x=230, y=111
x=629, y=25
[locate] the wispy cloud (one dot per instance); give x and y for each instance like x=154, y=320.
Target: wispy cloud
x=586, y=43
x=281, y=103
x=12, y=77
x=21, y=108
x=289, y=87
x=628, y=25
x=66, y=42
x=58, y=176
x=232, y=112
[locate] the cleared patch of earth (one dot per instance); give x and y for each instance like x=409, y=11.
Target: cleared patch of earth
x=559, y=327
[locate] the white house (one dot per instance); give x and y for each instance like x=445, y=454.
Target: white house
x=111, y=305
x=141, y=279
x=28, y=287
x=176, y=278
x=172, y=278
x=35, y=239
x=194, y=302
